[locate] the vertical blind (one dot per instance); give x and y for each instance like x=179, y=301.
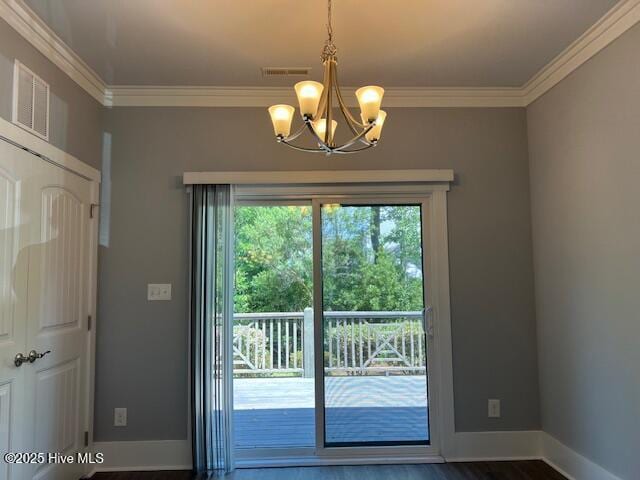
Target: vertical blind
x=211, y=320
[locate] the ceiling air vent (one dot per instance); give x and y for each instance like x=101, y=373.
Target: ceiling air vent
x=30, y=101
x=285, y=71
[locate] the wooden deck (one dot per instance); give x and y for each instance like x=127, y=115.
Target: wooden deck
x=279, y=412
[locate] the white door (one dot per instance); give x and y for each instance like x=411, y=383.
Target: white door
x=15, y=167
x=47, y=410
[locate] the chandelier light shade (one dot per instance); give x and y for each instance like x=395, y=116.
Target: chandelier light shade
x=373, y=135
x=309, y=94
x=369, y=99
x=320, y=127
x=281, y=117
x=320, y=102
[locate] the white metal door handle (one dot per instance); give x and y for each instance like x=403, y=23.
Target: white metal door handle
x=20, y=358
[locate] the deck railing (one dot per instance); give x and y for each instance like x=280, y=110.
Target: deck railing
x=355, y=343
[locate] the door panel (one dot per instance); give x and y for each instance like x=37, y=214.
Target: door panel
x=16, y=201
x=273, y=385
x=375, y=347
x=44, y=287
x=62, y=235
x=9, y=218
x=57, y=318
x=56, y=395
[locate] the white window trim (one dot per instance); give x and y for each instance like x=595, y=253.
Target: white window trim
x=315, y=177
x=430, y=188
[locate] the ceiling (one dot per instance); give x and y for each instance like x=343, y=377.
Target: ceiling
x=401, y=43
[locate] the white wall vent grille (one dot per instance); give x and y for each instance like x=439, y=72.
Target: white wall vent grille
x=285, y=71
x=30, y=101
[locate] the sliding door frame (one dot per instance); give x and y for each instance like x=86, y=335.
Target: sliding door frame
x=432, y=199
x=430, y=450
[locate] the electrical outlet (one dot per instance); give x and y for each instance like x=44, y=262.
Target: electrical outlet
x=159, y=291
x=494, y=408
x=120, y=417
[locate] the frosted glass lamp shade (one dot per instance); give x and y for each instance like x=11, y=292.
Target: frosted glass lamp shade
x=281, y=116
x=369, y=99
x=320, y=126
x=309, y=94
x=374, y=133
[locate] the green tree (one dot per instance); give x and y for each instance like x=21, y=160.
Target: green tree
x=371, y=258
x=273, y=259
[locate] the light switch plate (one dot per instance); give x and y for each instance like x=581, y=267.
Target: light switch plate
x=159, y=291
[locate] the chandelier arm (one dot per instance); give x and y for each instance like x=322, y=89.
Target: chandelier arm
x=354, y=125
x=356, y=139
x=303, y=149
x=365, y=141
x=347, y=115
x=351, y=123
x=323, y=98
x=356, y=150
x=328, y=131
x=324, y=148
x=331, y=151
x=294, y=135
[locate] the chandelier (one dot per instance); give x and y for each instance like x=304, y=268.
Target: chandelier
x=316, y=101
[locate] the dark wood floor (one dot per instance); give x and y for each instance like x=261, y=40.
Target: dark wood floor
x=522, y=470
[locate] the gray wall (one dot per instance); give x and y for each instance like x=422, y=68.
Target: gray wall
x=142, y=346
x=584, y=139
x=76, y=117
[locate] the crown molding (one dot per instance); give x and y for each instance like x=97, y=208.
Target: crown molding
x=622, y=16
x=153, y=96
x=24, y=20
x=614, y=23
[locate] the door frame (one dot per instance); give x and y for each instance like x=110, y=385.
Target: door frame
x=431, y=450
x=432, y=197
x=47, y=152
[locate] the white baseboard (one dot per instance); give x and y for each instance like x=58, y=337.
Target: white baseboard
x=145, y=455
x=176, y=454
x=570, y=463
x=462, y=447
x=493, y=446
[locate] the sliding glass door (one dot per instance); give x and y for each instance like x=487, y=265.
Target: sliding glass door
x=373, y=336
x=273, y=368
x=331, y=343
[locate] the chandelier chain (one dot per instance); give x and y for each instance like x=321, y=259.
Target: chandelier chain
x=329, y=51
x=329, y=26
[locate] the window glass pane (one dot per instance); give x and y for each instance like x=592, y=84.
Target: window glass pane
x=274, y=400
x=375, y=362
